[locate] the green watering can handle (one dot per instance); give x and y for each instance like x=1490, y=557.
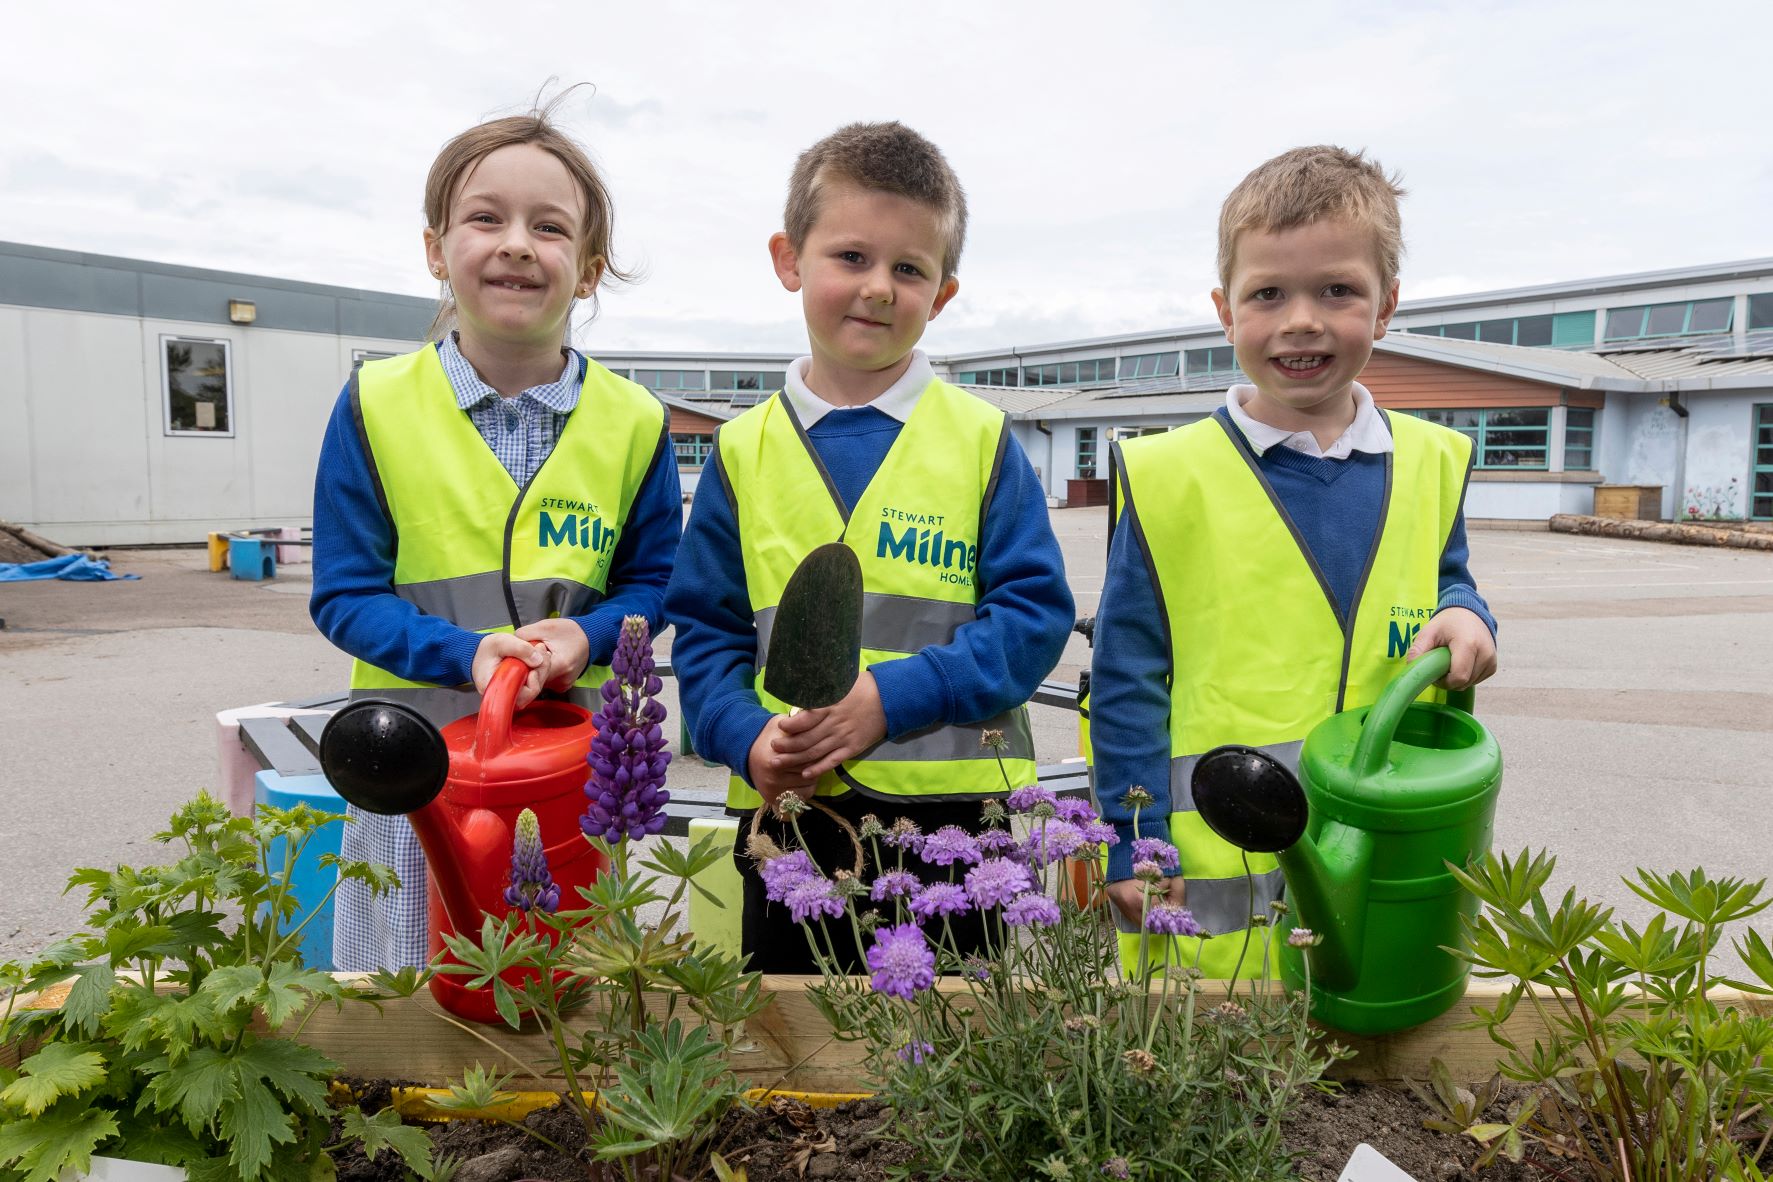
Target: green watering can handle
x=1382, y=720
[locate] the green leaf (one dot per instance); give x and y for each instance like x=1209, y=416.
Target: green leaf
x=1712, y=902
x=252, y=1123
x=59, y=1069
x=89, y=998
x=64, y=1137
x=197, y=1090
x=384, y=1131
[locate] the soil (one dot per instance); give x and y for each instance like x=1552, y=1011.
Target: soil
x=786, y=1141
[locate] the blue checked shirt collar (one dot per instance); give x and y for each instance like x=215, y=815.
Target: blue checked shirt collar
x=559, y=396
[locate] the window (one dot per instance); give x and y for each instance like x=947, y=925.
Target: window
x=692, y=450
x=1086, y=453
x=1504, y=438
x=1760, y=310
x=765, y=381
x=1669, y=320
x=1760, y=493
x=989, y=377
x=672, y=380
x=1561, y=331
x=198, y=386
x=1134, y=432
x=1150, y=365
x=1578, y=439
x=1219, y=360
x=1069, y=373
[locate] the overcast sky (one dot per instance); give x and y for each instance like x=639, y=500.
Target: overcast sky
x=1540, y=141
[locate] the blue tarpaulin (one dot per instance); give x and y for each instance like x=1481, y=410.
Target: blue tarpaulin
x=74, y=567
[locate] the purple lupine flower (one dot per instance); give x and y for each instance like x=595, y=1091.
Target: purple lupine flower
x=1023, y=800
x=948, y=845
x=1155, y=849
x=532, y=887
x=1167, y=919
x=813, y=896
x=940, y=898
x=1075, y=809
x=892, y=884
x=996, y=881
x=915, y=1051
x=628, y=756
x=901, y=962
x=779, y=874
x=1033, y=909
x=995, y=841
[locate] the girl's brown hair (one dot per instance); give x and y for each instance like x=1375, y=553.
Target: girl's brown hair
x=537, y=127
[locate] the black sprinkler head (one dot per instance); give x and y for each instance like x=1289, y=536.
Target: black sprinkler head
x=384, y=757
x=1250, y=799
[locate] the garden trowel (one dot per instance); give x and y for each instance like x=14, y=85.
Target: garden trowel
x=815, y=645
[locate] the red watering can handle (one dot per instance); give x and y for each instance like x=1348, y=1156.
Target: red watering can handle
x=497, y=705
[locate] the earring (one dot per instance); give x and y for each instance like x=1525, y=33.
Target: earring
x=437, y=271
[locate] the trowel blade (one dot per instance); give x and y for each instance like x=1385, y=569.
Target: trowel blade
x=815, y=647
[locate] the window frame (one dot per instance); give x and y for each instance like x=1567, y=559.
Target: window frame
x=1647, y=311
x=1479, y=434
x=1171, y=357
x=167, y=429
x=702, y=449
x=1082, y=436
x=763, y=377
x=1760, y=461
x=1591, y=430
x=661, y=388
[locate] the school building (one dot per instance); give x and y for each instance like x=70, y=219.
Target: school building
x=145, y=402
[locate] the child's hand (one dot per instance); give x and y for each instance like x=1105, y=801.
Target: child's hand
x=494, y=648
x=822, y=739
x=566, y=650
x=1463, y=631
x=1128, y=895
x=772, y=772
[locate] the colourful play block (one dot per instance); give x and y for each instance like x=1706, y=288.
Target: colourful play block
x=310, y=882
x=252, y=559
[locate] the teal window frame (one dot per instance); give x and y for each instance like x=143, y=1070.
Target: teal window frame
x=1006, y=376
x=1619, y=321
x=1150, y=365
x=692, y=451
x=1579, y=428
x=1494, y=437
x=1760, y=310
x=1569, y=330
x=1069, y=373
x=1760, y=474
x=763, y=381
x=1085, y=454
x=1215, y=361
x=673, y=381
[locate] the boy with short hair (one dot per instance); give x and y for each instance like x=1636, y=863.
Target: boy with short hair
x=1264, y=553
x=966, y=606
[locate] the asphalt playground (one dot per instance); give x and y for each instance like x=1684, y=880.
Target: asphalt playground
x=1634, y=706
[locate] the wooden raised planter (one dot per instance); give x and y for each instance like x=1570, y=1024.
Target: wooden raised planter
x=790, y=1045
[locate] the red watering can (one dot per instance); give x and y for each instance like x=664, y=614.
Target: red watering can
x=462, y=789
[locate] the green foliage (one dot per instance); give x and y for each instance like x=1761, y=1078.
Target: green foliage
x=662, y=1085
x=1642, y=1076
x=177, y=1041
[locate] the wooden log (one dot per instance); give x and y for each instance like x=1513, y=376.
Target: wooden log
x=35, y=541
x=1740, y=535
x=790, y=1045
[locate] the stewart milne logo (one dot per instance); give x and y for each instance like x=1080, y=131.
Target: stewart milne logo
x=1405, y=623
x=921, y=539
x=579, y=526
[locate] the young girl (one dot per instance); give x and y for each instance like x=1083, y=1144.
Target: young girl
x=494, y=494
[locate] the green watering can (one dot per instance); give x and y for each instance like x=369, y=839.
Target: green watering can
x=1391, y=793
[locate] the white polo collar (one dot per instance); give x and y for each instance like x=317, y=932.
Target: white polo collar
x=1367, y=433
x=896, y=401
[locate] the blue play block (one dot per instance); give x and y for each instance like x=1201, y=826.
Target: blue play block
x=252, y=559
x=310, y=881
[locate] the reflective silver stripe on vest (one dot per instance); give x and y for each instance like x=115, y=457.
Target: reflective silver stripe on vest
x=957, y=742
x=442, y=704
x=539, y=599
x=893, y=623
x=1182, y=772
x=477, y=602
x=1222, y=905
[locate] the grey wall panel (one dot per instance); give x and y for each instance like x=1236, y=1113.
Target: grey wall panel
x=397, y=320
x=205, y=301
x=51, y=283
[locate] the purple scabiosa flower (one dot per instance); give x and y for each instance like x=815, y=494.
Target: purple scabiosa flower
x=995, y=841
x=900, y=961
x=996, y=881
x=1099, y=833
x=904, y=835
x=948, y=845
x=781, y=873
x=1023, y=800
x=1303, y=938
x=1033, y=909
x=1075, y=809
x=1147, y=871
x=1117, y=1168
x=892, y=884
x=1167, y=919
x=916, y=1051
x=628, y=756
x=940, y=898
x=811, y=897
x=1052, y=842
x=532, y=887
x=1153, y=849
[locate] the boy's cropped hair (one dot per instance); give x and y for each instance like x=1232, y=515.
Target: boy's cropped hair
x=1298, y=187
x=887, y=158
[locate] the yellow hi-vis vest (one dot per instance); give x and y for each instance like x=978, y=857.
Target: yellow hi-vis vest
x=916, y=531
x=1259, y=652
x=472, y=547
